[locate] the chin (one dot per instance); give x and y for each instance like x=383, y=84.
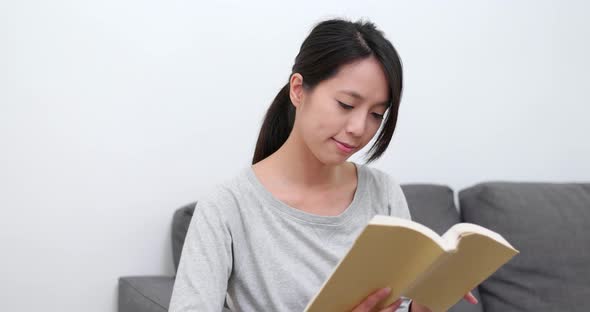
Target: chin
x=334, y=160
x=330, y=157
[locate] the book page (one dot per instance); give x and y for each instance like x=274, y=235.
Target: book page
x=445, y=244
x=476, y=257
x=382, y=256
x=453, y=234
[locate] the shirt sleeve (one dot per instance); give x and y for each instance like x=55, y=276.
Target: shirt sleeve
x=398, y=205
x=205, y=263
x=405, y=306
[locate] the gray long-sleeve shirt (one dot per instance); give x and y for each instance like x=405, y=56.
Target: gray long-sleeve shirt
x=245, y=250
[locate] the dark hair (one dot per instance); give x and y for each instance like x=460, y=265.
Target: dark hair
x=331, y=44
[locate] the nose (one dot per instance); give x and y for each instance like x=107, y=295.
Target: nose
x=357, y=123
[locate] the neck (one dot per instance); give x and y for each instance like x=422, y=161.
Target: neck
x=298, y=165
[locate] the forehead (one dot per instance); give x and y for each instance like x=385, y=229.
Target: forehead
x=364, y=77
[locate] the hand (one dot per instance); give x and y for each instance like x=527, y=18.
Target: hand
x=470, y=298
x=416, y=307
x=373, y=299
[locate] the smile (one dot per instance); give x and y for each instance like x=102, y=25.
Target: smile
x=347, y=149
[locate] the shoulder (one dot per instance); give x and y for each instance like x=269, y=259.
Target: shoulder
x=380, y=178
x=389, y=187
x=221, y=200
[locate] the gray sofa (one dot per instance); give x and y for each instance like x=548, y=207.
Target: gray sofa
x=548, y=222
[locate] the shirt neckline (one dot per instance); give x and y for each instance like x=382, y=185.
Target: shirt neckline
x=306, y=216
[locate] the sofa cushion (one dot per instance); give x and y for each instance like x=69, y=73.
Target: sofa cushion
x=180, y=222
x=145, y=293
x=434, y=207
x=549, y=224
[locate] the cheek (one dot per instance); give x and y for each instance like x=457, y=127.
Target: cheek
x=372, y=130
x=323, y=121
x=373, y=127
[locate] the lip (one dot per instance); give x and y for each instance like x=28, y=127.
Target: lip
x=344, y=147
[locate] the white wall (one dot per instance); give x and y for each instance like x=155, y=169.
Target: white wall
x=115, y=113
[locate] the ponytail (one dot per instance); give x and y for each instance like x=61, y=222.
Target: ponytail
x=276, y=127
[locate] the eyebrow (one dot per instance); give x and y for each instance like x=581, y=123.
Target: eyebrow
x=356, y=95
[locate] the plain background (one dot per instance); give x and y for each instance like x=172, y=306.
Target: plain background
x=115, y=113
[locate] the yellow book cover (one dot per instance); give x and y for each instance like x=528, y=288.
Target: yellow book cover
x=415, y=262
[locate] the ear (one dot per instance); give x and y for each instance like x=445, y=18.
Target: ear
x=296, y=91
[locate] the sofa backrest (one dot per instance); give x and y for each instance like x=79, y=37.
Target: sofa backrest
x=180, y=222
x=434, y=206
x=549, y=224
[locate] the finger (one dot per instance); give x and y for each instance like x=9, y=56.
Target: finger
x=470, y=298
x=392, y=307
x=372, y=300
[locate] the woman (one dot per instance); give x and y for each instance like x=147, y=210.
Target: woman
x=267, y=239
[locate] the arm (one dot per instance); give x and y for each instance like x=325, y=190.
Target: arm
x=398, y=205
x=206, y=262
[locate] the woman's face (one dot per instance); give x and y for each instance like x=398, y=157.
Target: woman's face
x=342, y=114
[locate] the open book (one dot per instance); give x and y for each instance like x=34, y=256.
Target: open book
x=415, y=262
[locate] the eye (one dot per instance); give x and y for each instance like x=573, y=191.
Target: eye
x=377, y=116
x=345, y=106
